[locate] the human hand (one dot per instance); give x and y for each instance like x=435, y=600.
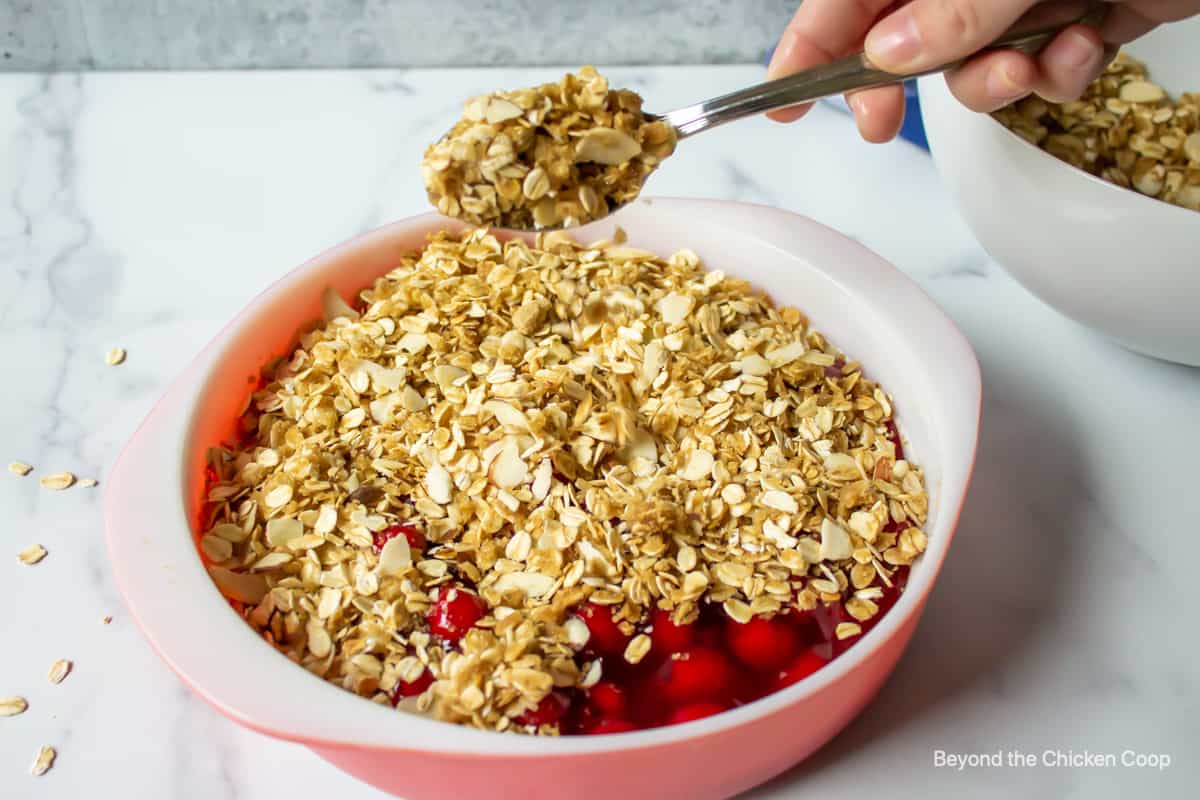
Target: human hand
x=914, y=35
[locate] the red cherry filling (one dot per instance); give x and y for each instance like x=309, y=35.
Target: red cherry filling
x=411, y=689
x=454, y=612
x=605, y=726
x=808, y=663
x=763, y=644
x=893, y=433
x=552, y=708
x=665, y=636
x=694, y=712
x=609, y=699
x=416, y=539
x=696, y=675
x=606, y=638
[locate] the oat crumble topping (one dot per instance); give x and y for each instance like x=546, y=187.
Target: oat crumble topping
x=561, y=424
x=1125, y=129
x=554, y=155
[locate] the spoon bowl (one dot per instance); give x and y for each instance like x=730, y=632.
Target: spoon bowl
x=1030, y=35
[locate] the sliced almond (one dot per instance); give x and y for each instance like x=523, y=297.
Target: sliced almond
x=674, y=308
x=499, y=110
x=509, y=470
x=835, y=541
x=1142, y=92
x=395, y=557
x=240, y=586
x=606, y=146
x=438, y=484
x=333, y=306
x=780, y=501
x=216, y=549
x=507, y=414
x=531, y=584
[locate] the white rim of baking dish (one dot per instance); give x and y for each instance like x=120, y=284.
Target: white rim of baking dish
x=191, y=626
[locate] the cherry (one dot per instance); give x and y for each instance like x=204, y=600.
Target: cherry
x=454, y=612
x=694, y=712
x=665, y=636
x=609, y=699
x=407, y=689
x=763, y=644
x=809, y=662
x=607, y=639
x=893, y=433
x=416, y=539
x=698, y=674
x=606, y=726
x=552, y=708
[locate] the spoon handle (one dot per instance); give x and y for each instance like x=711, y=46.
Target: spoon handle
x=856, y=72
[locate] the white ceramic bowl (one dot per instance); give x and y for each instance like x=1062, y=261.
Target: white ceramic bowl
x=1121, y=263
x=154, y=495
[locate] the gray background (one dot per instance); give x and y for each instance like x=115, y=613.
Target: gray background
x=232, y=34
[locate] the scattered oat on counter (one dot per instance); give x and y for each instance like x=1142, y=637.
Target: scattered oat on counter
x=556, y=154
x=44, y=761
x=19, y=468
x=58, y=481
x=59, y=670
x=88, y=483
x=12, y=706
x=32, y=554
x=115, y=356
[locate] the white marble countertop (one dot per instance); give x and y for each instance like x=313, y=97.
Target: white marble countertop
x=143, y=211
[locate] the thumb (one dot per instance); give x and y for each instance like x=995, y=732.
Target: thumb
x=929, y=33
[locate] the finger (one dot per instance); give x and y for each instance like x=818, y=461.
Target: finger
x=878, y=112
x=820, y=31
x=1070, y=63
x=927, y=33
x=994, y=80
x=1128, y=19
x=1124, y=24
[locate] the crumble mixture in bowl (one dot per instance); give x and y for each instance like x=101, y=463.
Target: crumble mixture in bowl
x=563, y=489
x=1125, y=129
x=559, y=154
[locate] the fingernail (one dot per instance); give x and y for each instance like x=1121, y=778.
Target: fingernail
x=781, y=56
x=1001, y=85
x=895, y=43
x=1075, y=51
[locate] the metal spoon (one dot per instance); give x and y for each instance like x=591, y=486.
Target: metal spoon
x=1030, y=35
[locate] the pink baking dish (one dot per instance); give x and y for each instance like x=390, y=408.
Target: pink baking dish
x=866, y=306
